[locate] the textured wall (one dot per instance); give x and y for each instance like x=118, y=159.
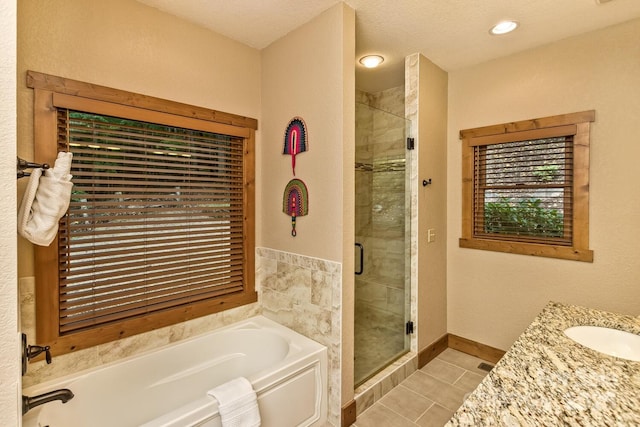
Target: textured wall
x=9, y=339
x=310, y=73
x=129, y=46
x=426, y=107
x=303, y=76
x=493, y=296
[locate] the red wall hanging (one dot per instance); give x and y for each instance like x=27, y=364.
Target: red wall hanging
x=295, y=140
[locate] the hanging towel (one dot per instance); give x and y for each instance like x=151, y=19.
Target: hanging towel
x=237, y=403
x=45, y=201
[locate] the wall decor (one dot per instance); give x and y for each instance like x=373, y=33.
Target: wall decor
x=295, y=201
x=295, y=140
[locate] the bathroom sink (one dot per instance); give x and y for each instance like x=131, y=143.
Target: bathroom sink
x=606, y=340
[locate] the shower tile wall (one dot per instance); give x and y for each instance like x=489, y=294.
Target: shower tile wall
x=380, y=227
x=390, y=100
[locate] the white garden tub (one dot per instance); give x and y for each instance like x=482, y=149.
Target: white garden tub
x=168, y=387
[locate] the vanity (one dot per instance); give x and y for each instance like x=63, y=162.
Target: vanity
x=547, y=379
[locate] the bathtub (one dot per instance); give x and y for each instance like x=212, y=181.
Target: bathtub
x=167, y=387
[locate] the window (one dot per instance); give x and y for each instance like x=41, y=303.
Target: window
x=160, y=228
x=525, y=187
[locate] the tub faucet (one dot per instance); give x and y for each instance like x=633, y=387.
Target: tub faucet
x=28, y=403
x=31, y=351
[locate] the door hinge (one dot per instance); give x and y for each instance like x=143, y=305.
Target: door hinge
x=411, y=143
x=409, y=327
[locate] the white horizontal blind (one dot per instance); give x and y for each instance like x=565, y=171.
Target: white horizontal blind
x=524, y=190
x=155, y=220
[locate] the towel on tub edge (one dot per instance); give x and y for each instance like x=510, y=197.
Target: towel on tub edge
x=237, y=403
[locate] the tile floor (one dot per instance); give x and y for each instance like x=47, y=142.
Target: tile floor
x=429, y=396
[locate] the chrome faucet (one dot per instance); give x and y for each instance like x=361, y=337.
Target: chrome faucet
x=28, y=403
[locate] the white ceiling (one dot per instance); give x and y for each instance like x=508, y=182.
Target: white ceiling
x=452, y=33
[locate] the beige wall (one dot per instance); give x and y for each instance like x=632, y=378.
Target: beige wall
x=303, y=75
x=129, y=46
x=431, y=149
x=348, y=144
x=493, y=296
x=9, y=338
x=125, y=45
x=310, y=73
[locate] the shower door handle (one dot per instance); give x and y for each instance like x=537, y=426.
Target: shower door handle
x=361, y=270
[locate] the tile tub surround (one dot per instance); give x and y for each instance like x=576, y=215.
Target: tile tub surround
x=70, y=363
x=304, y=294
x=548, y=379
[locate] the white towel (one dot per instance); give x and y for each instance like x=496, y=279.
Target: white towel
x=45, y=201
x=237, y=403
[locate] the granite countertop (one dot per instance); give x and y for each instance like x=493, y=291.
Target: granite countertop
x=547, y=379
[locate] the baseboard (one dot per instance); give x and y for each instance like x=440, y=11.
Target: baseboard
x=348, y=414
x=432, y=351
x=488, y=353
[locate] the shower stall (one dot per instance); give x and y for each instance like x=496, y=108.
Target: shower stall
x=382, y=219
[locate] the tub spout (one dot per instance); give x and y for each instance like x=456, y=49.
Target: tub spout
x=28, y=403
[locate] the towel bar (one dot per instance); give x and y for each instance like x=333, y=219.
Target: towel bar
x=21, y=165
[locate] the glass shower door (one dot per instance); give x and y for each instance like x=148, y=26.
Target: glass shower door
x=382, y=286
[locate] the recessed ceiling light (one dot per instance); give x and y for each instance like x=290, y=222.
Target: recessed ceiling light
x=371, y=61
x=503, y=27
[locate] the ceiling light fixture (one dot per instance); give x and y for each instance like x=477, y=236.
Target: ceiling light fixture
x=503, y=27
x=371, y=61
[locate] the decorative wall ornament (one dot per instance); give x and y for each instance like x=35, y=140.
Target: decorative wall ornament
x=295, y=140
x=295, y=201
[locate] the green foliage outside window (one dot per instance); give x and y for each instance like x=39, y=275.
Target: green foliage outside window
x=526, y=217
x=547, y=173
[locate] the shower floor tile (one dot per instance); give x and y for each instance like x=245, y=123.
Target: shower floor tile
x=428, y=397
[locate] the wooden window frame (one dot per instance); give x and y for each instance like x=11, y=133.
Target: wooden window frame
x=577, y=124
x=51, y=92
